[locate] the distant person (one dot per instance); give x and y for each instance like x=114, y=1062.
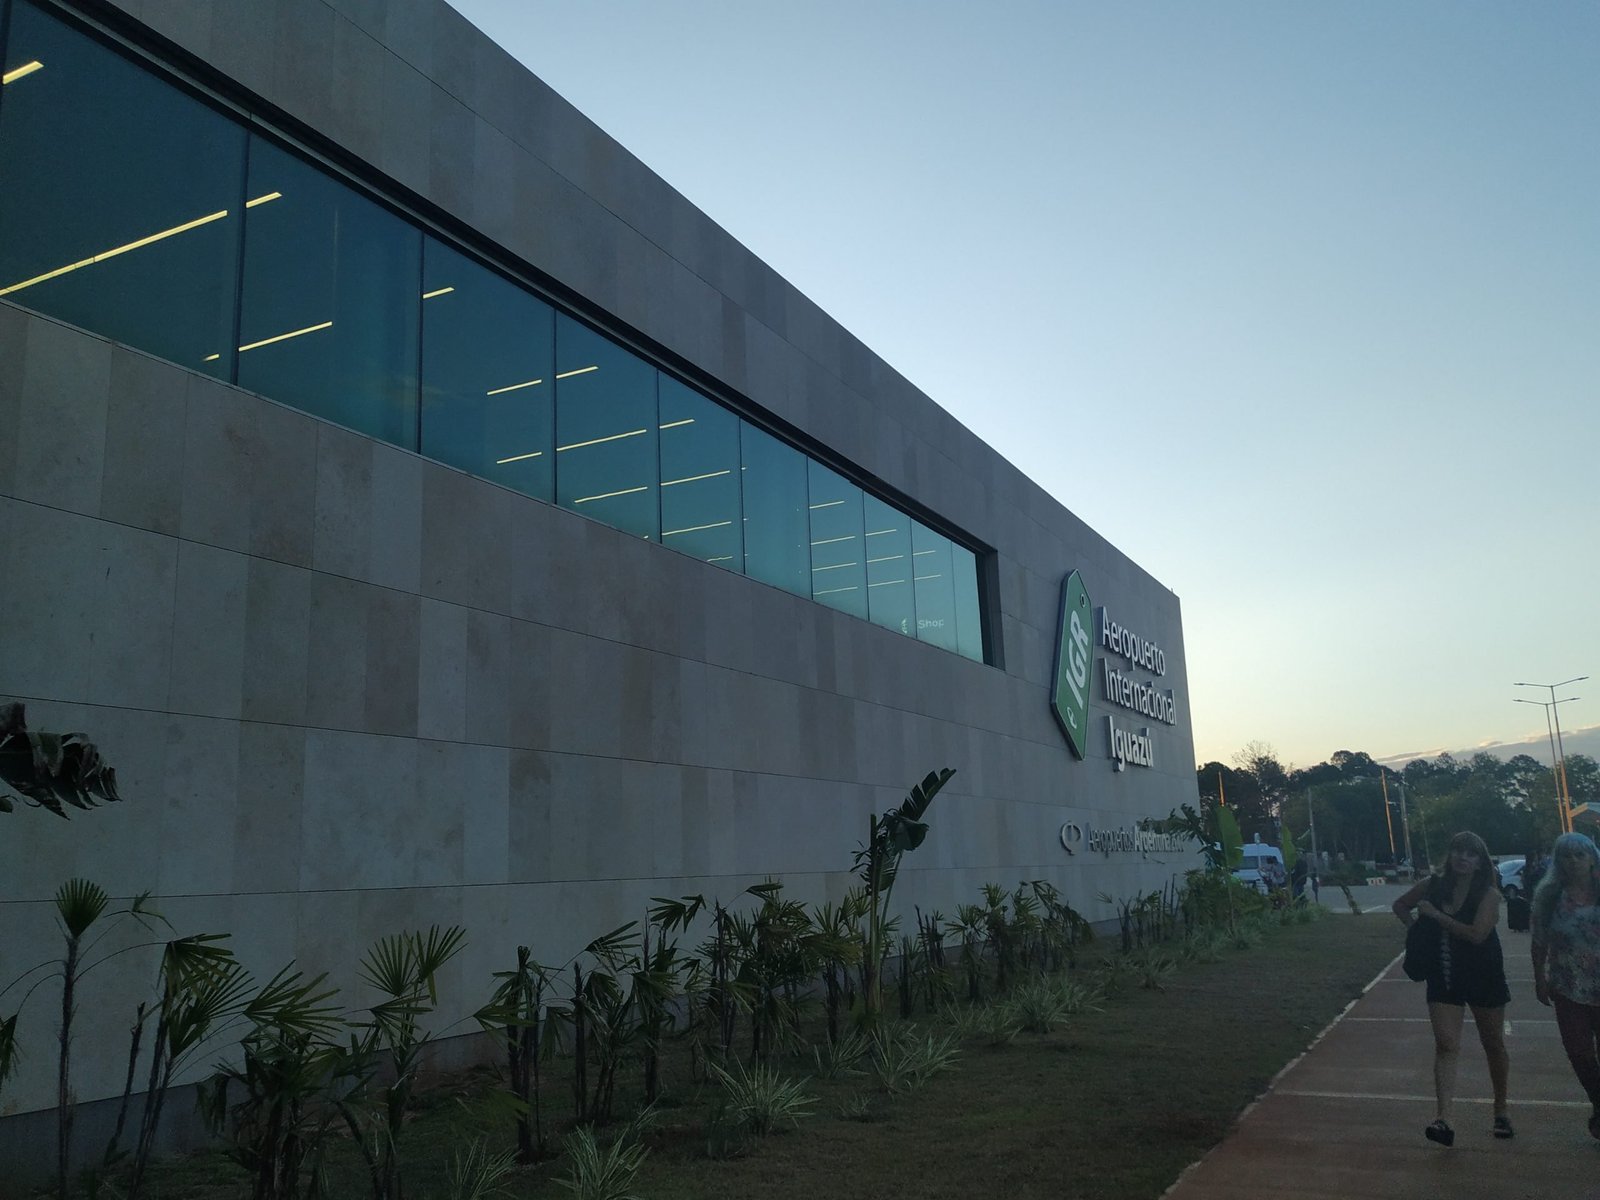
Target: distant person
x=1566, y=957
x=1470, y=972
x=1302, y=872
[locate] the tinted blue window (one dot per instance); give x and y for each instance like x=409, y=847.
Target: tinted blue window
x=119, y=199
x=838, y=560
x=776, y=537
x=332, y=299
x=123, y=204
x=890, y=598
x=605, y=431
x=488, y=373
x=969, y=619
x=935, y=588
x=700, y=509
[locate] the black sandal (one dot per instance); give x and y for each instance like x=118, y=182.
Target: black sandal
x=1440, y=1132
x=1502, y=1128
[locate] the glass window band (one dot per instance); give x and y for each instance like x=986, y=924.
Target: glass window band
x=298, y=283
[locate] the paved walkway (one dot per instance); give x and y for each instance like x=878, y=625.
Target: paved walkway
x=1345, y=1121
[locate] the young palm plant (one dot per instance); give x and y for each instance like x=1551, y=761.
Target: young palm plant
x=286, y=1058
x=81, y=908
x=889, y=837
x=405, y=969
x=519, y=1016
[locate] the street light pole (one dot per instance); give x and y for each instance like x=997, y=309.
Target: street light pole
x=1558, y=748
x=1405, y=822
x=1555, y=762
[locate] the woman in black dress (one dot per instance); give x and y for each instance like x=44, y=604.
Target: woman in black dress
x=1470, y=972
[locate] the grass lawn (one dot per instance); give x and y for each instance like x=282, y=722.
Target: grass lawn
x=1113, y=1105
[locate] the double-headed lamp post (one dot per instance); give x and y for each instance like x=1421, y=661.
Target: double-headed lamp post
x=1558, y=750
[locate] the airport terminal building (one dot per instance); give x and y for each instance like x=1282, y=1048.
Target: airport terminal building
x=435, y=518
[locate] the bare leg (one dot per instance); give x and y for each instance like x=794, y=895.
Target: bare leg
x=1447, y=1019
x=1491, y=1023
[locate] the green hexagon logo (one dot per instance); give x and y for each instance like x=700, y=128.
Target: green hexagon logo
x=1069, y=698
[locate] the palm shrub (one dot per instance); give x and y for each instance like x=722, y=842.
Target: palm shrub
x=936, y=976
x=276, y=1128
x=878, y=863
x=202, y=989
x=1061, y=927
x=664, y=974
x=404, y=968
x=1026, y=928
x=781, y=956
x=1000, y=939
x=971, y=926
x=837, y=943
x=517, y=1015
x=81, y=907
x=604, y=1020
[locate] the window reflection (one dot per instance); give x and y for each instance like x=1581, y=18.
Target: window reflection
x=700, y=510
x=776, y=537
x=890, y=600
x=119, y=206
x=605, y=431
x=838, y=554
x=331, y=299
x=935, y=589
x=488, y=373
x=969, y=622
x=121, y=210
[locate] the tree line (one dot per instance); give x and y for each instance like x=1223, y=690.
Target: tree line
x=1510, y=803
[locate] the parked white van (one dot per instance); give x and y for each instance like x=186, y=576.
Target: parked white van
x=1254, y=867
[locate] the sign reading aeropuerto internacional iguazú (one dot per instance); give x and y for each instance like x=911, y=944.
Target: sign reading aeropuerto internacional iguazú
x=1124, y=652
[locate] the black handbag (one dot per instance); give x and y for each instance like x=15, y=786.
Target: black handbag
x=1422, y=948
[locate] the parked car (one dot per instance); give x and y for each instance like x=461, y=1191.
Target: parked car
x=1511, y=877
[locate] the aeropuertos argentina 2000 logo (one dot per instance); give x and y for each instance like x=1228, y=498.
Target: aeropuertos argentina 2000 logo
x=1069, y=697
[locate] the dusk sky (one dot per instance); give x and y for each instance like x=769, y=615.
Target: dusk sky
x=1318, y=285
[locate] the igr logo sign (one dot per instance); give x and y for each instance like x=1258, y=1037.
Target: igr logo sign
x=1069, y=698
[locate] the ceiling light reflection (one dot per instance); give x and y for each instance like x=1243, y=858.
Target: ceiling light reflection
x=444, y=291
x=98, y=258
x=695, y=528
x=676, y=424
x=609, y=495
x=500, y=462
x=596, y=441
x=513, y=387
x=27, y=68
x=579, y=371
x=263, y=199
x=696, y=478
x=283, y=337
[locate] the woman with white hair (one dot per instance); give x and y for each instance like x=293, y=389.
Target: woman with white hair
x=1566, y=956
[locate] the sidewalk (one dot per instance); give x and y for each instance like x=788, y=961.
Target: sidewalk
x=1345, y=1121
